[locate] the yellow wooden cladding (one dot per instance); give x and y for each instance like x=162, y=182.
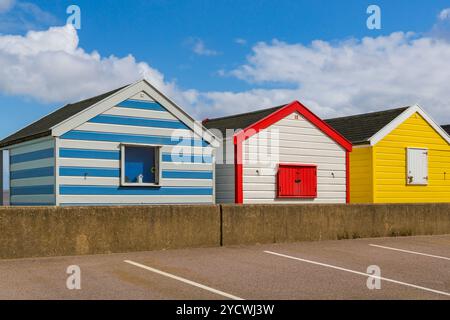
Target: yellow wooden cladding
x=384, y=176
x=361, y=190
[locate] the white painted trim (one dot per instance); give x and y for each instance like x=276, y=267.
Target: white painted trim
x=107, y=181
x=125, y=93
x=402, y=118
x=135, y=199
x=124, y=129
x=158, y=160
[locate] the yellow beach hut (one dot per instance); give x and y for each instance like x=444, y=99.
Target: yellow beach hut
x=399, y=156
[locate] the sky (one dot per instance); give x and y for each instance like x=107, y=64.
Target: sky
x=219, y=57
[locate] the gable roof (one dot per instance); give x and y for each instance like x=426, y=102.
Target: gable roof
x=370, y=128
x=43, y=127
x=446, y=128
x=253, y=122
x=360, y=128
x=73, y=115
x=239, y=121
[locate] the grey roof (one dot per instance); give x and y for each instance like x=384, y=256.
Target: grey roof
x=42, y=127
x=239, y=121
x=446, y=128
x=360, y=128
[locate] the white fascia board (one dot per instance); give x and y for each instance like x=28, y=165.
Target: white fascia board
x=124, y=94
x=402, y=118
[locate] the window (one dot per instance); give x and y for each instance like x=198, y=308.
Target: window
x=417, y=166
x=140, y=165
x=297, y=181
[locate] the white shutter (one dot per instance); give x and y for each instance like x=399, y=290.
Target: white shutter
x=417, y=166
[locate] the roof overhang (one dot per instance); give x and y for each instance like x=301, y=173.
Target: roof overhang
x=25, y=139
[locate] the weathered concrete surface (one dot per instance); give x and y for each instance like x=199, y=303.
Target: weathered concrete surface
x=51, y=231
x=251, y=224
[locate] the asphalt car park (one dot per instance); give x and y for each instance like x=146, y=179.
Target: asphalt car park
x=405, y=268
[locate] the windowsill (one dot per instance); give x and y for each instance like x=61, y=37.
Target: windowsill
x=131, y=184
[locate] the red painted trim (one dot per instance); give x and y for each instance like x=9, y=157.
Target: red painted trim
x=302, y=110
x=347, y=176
x=238, y=172
x=262, y=124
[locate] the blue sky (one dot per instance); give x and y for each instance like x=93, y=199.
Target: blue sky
x=164, y=33
x=218, y=57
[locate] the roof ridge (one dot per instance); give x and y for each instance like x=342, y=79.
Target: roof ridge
x=369, y=113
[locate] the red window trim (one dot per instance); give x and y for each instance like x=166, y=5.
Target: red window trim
x=262, y=124
x=300, y=165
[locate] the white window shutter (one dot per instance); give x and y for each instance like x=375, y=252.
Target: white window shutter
x=417, y=166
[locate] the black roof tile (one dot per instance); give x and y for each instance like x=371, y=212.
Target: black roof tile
x=239, y=121
x=358, y=129
x=42, y=127
x=446, y=128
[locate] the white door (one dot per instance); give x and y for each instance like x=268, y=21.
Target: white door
x=417, y=166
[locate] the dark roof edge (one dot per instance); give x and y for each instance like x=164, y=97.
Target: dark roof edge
x=367, y=114
x=243, y=114
x=25, y=139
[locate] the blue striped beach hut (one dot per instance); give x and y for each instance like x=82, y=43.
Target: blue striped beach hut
x=130, y=146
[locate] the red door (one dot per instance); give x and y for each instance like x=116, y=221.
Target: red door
x=297, y=181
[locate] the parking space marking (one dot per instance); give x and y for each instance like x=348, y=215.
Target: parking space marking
x=359, y=273
x=408, y=251
x=192, y=283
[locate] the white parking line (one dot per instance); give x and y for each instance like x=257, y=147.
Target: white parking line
x=408, y=251
x=360, y=273
x=192, y=283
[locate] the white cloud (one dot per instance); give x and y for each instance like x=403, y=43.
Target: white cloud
x=240, y=41
x=332, y=79
x=444, y=14
x=351, y=76
x=199, y=47
x=6, y=5
x=51, y=67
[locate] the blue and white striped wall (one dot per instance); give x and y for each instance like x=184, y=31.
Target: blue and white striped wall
x=88, y=162
x=32, y=173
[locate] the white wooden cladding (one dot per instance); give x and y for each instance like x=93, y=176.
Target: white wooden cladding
x=299, y=142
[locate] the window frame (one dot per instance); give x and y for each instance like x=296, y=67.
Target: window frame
x=158, y=160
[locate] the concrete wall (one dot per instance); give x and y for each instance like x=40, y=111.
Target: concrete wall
x=289, y=223
x=51, y=231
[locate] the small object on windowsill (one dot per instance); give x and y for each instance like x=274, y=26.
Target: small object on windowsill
x=141, y=178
